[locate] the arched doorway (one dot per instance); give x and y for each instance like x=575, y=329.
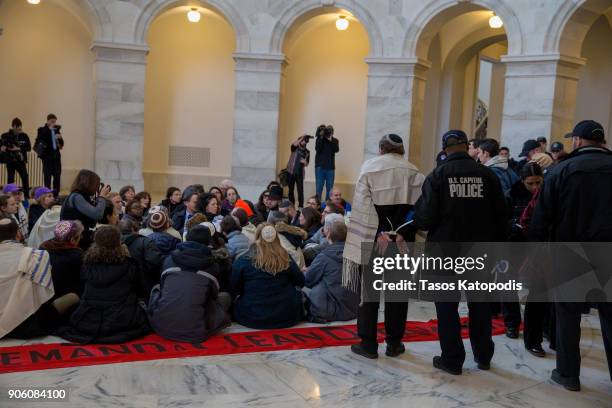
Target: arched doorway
x=189, y=99
x=325, y=82
x=48, y=69
x=464, y=86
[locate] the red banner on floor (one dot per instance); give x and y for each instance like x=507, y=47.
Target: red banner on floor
x=153, y=347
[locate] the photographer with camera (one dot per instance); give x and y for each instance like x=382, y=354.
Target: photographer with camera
x=299, y=159
x=325, y=164
x=87, y=202
x=15, y=145
x=49, y=143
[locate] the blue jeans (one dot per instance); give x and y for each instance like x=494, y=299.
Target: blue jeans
x=324, y=177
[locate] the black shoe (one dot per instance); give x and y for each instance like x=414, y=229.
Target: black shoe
x=394, y=351
x=483, y=366
x=358, y=349
x=569, y=383
x=439, y=364
x=512, y=333
x=537, y=351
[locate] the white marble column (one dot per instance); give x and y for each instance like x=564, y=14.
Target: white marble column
x=539, y=98
x=254, y=148
x=396, y=95
x=119, y=74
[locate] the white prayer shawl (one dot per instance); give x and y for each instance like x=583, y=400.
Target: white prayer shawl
x=387, y=179
x=44, y=229
x=25, y=283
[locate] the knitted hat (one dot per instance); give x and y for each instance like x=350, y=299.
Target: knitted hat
x=66, y=230
x=158, y=221
x=108, y=237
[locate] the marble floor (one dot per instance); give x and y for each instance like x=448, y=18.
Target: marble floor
x=331, y=377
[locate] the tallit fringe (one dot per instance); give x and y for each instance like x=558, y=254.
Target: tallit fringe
x=351, y=276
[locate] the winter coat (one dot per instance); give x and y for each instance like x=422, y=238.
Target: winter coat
x=149, y=258
x=263, y=300
x=109, y=311
x=66, y=262
x=291, y=239
x=185, y=306
x=574, y=202
x=456, y=189
x=329, y=301
x=519, y=199
x=237, y=243
x=164, y=242
x=507, y=177
x=169, y=205
x=34, y=213
x=326, y=150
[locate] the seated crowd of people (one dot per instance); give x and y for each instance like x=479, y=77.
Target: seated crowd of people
x=98, y=266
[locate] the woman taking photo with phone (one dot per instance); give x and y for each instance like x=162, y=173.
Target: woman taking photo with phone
x=86, y=203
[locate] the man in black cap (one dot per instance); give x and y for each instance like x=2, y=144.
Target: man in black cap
x=458, y=187
x=531, y=147
x=557, y=151
x=574, y=206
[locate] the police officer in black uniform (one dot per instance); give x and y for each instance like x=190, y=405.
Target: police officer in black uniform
x=574, y=206
x=15, y=145
x=458, y=187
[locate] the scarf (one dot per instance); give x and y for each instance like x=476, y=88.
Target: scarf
x=25, y=277
x=387, y=179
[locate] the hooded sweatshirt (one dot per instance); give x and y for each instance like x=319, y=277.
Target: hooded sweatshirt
x=507, y=177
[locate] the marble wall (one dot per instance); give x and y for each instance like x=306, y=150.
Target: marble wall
x=540, y=81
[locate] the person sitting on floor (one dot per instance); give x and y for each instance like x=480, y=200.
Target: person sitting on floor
x=43, y=200
x=328, y=301
x=291, y=238
x=265, y=283
x=44, y=228
x=146, y=253
x=237, y=242
x=27, y=307
x=109, y=311
x=311, y=250
x=145, y=232
x=66, y=257
x=187, y=305
x=159, y=223
x=293, y=215
x=248, y=229
x=318, y=237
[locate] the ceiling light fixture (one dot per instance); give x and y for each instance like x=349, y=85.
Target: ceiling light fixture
x=342, y=23
x=193, y=15
x=495, y=21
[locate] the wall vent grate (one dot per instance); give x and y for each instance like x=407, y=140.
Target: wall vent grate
x=189, y=156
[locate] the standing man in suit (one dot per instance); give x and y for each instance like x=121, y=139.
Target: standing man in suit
x=51, y=143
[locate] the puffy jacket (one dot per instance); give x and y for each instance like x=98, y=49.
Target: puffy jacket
x=109, y=311
x=164, y=242
x=263, y=300
x=66, y=262
x=185, y=306
x=574, y=202
x=462, y=201
x=291, y=239
x=329, y=301
x=149, y=259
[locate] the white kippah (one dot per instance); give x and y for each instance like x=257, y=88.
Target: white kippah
x=268, y=233
x=5, y=221
x=389, y=138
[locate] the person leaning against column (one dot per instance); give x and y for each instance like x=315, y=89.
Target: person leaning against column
x=48, y=146
x=386, y=190
x=15, y=145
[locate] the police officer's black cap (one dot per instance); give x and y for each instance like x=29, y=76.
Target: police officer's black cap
x=590, y=130
x=454, y=137
x=557, y=147
x=528, y=146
